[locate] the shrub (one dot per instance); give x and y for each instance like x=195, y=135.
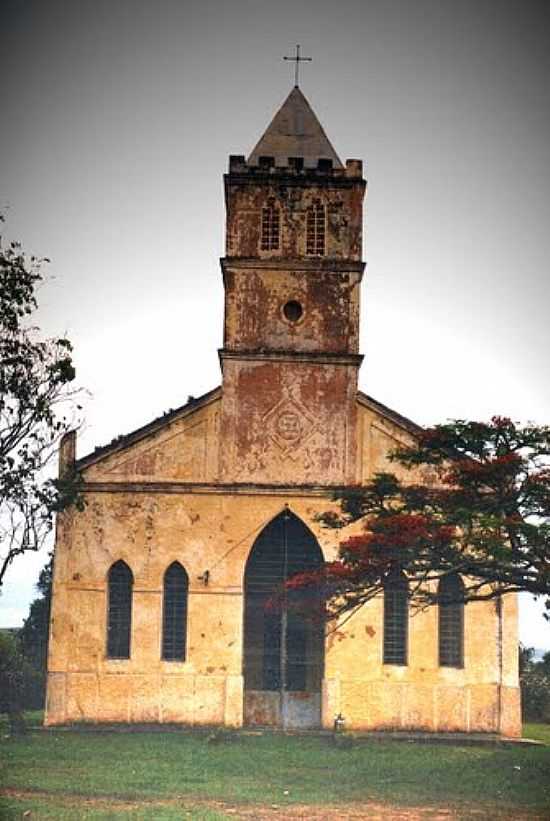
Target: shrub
x=21, y=684
x=12, y=681
x=535, y=694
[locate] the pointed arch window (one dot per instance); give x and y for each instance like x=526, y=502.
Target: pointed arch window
x=120, y=583
x=271, y=227
x=396, y=618
x=174, y=613
x=315, y=229
x=451, y=621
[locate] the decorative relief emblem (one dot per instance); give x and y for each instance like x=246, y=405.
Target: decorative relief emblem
x=288, y=426
x=289, y=423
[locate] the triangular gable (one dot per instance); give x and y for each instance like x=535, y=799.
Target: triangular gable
x=380, y=430
x=179, y=446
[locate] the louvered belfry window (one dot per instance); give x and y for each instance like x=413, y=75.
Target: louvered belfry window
x=451, y=621
x=174, y=613
x=119, y=621
x=396, y=618
x=315, y=229
x=271, y=227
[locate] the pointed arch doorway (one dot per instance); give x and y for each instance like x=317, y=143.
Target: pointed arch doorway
x=283, y=630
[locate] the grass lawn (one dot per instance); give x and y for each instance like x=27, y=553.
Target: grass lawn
x=538, y=732
x=83, y=775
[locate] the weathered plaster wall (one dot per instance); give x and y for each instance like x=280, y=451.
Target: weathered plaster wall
x=184, y=450
x=255, y=298
x=423, y=695
x=293, y=193
x=288, y=423
x=289, y=382
x=149, y=531
x=214, y=528
x=377, y=436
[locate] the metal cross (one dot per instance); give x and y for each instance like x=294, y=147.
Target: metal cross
x=297, y=60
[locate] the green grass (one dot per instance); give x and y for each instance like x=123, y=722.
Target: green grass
x=64, y=769
x=537, y=732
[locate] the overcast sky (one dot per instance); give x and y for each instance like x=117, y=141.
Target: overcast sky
x=118, y=117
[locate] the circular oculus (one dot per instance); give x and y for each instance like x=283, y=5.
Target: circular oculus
x=293, y=311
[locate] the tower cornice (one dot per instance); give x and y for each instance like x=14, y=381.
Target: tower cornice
x=311, y=357
x=313, y=265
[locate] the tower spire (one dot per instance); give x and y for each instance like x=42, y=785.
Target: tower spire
x=295, y=131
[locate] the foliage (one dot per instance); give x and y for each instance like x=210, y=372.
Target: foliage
x=15, y=677
x=34, y=633
x=535, y=686
x=535, y=696
x=11, y=676
x=525, y=657
x=37, y=407
x=544, y=664
x=33, y=638
x=475, y=500
x=21, y=684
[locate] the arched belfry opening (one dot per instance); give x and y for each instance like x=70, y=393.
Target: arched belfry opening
x=283, y=628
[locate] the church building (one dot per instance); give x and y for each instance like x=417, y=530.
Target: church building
x=165, y=605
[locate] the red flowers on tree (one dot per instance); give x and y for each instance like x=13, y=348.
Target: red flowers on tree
x=476, y=501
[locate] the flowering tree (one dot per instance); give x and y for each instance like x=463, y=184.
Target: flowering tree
x=36, y=408
x=476, y=502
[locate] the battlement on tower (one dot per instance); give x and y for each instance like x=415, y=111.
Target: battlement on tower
x=296, y=167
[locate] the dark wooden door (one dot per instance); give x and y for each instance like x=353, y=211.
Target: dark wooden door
x=283, y=630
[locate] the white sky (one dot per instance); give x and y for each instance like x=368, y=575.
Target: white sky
x=118, y=118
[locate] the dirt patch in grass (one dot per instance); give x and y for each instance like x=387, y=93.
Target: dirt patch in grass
x=71, y=800
x=271, y=812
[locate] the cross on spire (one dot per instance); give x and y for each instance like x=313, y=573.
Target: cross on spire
x=297, y=60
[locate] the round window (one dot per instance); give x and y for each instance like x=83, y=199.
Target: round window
x=293, y=311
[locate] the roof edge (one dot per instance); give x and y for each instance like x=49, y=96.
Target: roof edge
x=394, y=416
x=120, y=443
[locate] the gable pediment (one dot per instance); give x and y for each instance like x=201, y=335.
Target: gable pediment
x=380, y=430
x=180, y=448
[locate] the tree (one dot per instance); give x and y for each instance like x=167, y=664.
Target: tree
x=33, y=637
x=37, y=407
x=526, y=657
x=534, y=679
x=12, y=681
x=475, y=500
x=544, y=663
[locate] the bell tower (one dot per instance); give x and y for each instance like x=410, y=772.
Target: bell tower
x=291, y=275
